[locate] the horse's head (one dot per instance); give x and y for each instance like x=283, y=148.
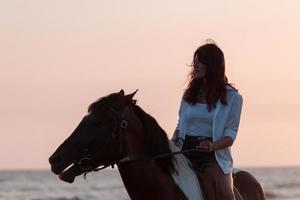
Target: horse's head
x=96, y=140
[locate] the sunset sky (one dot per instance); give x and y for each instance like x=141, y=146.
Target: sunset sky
x=58, y=56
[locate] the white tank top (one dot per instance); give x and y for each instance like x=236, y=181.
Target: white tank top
x=199, y=120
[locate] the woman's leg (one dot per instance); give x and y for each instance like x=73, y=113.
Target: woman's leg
x=218, y=186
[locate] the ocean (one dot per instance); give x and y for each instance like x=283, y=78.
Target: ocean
x=278, y=184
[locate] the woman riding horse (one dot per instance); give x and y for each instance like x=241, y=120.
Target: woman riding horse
x=209, y=117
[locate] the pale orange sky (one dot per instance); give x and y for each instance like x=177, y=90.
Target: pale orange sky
x=56, y=57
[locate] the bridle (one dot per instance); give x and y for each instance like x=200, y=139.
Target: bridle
x=85, y=162
x=86, y=159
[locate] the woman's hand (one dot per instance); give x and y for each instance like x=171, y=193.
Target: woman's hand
x=205, y=146
x=208, y=146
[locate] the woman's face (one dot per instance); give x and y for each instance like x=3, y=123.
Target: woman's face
x=199, y=70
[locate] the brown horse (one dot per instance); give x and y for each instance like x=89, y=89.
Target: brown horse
x=117, y=131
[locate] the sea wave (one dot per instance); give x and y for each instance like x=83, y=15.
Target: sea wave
x=288, y=185
x=271, y=195
x=278, y=184
x=109, y=188
x=59, y=198
x=274, y=195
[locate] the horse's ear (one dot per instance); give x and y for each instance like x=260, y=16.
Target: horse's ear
x=124, y=100
x=130, y=96
x=121, y=93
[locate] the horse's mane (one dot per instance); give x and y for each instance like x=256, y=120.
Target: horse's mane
x=108, y=99
x=156, y=140
x=178, y=166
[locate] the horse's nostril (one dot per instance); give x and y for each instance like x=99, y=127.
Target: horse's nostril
x=54, y=159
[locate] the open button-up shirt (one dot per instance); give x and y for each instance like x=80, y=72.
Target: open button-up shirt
x=226, y=119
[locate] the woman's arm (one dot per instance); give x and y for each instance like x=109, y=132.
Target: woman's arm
x=175, y=135
x=181, y=111
x=233, y=121
x=177, y=140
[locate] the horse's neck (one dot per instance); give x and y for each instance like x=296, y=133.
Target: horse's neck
x=132, y=143
x=145, y=180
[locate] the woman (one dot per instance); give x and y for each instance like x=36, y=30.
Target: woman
x=209, y=117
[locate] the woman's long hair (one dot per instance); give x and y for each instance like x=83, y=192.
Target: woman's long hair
x=215, y=79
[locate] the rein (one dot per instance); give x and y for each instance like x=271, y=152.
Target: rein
x=127, y=159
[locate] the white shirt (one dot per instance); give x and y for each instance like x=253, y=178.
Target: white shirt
x=200, y=121
x=226, y=120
